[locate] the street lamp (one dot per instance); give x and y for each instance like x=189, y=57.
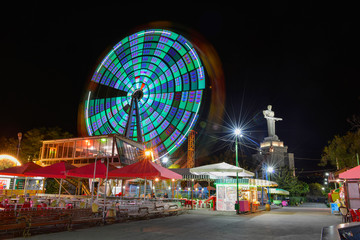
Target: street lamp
x=149, y=153
x=269, y=170
x=18, y=147
x=237, y=133
x=165, y=160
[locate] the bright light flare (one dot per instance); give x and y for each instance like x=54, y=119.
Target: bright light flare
x=270, y=169
x=165, y=159
x=148, y=153
x=238, y=131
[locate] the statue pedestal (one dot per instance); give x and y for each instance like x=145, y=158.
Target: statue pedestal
x=272, y=138
x=271, y=143
x=273, y=152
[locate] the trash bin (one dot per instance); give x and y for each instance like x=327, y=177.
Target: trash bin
x=267, y=207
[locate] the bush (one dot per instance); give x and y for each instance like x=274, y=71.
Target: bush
x=178, y=195
x=296, y=201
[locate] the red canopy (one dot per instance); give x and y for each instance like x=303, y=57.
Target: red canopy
x=57, y=170
x=353, y=173
x=20, y=170
x=144, y=169
x=88, y=170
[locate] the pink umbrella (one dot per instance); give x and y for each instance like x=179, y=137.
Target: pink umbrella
x=90, y=171
x=97, y=169
x=57, y=170
x=353, y=173
x=20, y=170
x=144, y=169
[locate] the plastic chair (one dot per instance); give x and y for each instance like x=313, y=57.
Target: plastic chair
x=354, y=216
x=357, y=213
x=10, y=206
x=346, y=216
x=26, y=205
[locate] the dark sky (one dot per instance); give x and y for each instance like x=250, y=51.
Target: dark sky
x=301, y=59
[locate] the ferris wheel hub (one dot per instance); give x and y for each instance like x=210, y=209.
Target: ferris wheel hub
x=138, y=94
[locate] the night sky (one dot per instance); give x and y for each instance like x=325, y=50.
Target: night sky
x=303, y=60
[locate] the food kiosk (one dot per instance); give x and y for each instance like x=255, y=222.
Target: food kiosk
x=248, y=197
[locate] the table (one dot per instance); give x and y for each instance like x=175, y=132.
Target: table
x=76, y=202
x=14, y=199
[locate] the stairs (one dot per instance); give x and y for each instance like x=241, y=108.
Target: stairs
x=84, y=185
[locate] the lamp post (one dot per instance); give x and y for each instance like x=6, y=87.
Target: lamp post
x=237, y=133
x=269, y=170
x=18, y=147
x=192, y=191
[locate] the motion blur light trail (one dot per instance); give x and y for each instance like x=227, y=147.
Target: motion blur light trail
x=211, y=91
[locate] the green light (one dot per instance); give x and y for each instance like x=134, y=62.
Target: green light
x=103, y=139
x=174, y=82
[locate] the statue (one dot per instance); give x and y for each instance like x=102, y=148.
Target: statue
x=269, y=115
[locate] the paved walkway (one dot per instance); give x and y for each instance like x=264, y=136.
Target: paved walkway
x=304, y=222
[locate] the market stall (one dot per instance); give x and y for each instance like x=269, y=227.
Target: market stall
x=16, y=182
x=248, y=193
x=279, y=196
x=350, y=193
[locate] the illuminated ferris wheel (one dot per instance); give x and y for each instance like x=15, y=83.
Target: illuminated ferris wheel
x=148, y=88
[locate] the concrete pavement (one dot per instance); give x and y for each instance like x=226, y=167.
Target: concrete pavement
x=304, y=222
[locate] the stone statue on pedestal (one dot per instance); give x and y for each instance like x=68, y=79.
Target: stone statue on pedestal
x=269, y=116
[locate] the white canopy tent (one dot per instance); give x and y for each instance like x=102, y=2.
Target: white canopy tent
x=219, y=170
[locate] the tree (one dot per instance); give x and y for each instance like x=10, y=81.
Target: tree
x=6, y=164
x=354, y=122
x=341, y=150
x=8, y=145
x=316, y=189
x=31, y=142
x=287, y=181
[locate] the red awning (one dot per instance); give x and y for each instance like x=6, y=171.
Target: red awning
x=57, y=170
x=20, y=170
x=144, y=169
x=87, y=171
x=353, y=173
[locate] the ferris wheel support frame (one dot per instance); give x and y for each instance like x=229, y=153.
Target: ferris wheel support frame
x=134, y=106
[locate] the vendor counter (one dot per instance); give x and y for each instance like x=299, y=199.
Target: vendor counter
x=244, y=206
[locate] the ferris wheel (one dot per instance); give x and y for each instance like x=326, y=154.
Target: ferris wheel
x=148, y=88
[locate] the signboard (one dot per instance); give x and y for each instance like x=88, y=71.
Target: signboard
x=226, y=197
x=4, y=183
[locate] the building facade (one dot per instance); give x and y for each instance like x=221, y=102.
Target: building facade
x=82, y=151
